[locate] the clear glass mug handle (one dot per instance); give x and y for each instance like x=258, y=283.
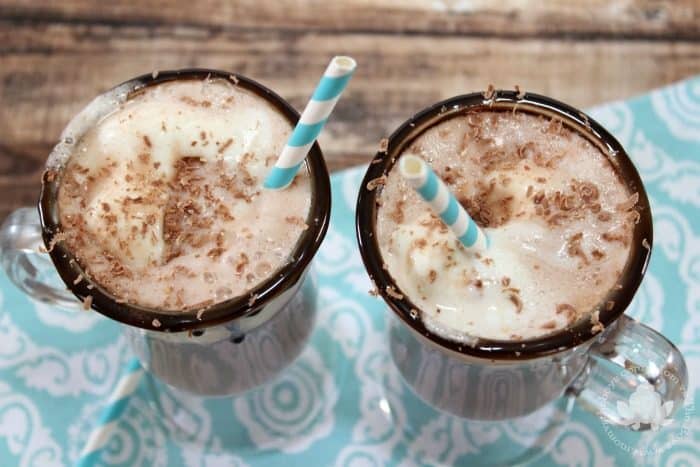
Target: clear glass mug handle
x=635, y=377
x=25, y=265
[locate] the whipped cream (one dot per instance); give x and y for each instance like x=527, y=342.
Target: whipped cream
x=161, y=200
x=559, y=222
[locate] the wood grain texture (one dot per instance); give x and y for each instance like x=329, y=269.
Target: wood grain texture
x=677, y=19
x=54, y=60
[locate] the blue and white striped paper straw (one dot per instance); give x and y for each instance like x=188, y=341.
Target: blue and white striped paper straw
x=311, y=122
x=109, y=418
x=433, y=190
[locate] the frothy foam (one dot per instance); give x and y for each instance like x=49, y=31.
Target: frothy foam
x=161, y=200
x=558, y=219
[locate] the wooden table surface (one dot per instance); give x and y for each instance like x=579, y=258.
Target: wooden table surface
x=56, y=55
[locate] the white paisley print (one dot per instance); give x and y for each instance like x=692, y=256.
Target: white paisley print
x=678, y=108
x=294, y=411
x=22, y=428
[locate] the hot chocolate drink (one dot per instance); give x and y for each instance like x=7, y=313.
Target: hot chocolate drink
x=558, y=218
x=161, y=201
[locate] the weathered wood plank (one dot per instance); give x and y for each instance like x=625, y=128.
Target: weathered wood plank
x=49, y=71
x=670, y=19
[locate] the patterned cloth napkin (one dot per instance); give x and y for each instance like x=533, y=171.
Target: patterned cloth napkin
x=341, y=402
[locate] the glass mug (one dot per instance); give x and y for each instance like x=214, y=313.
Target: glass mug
x=501, y=380
x=236, y=345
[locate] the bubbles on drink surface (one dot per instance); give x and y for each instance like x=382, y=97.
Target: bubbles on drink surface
x=162, y=194
x=554, y=209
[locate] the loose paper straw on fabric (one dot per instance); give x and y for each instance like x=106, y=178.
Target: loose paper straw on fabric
x=433, y=190
x=311, y=122
x=109, y=418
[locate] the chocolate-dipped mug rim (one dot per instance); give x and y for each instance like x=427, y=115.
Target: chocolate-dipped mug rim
x=243, y=305
x=505, y=100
